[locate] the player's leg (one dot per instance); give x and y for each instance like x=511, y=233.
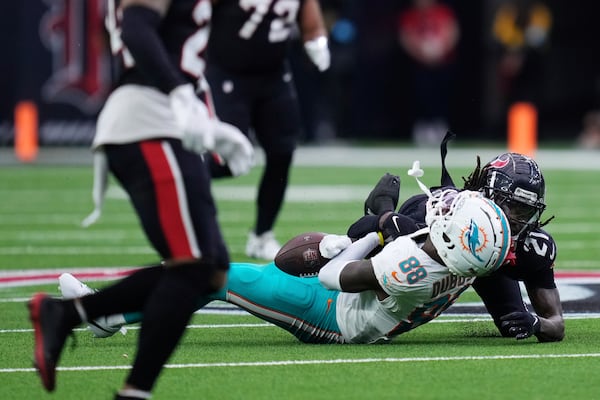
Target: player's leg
x=415, y=208
x=270, y=294
x=277, y=127
x=106, y=326
x=53, y=319
x=71, y=288
x=169, y=293
x=181, y=223
x=301, y=306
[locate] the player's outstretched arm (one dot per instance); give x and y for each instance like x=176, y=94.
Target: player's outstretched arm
x=546, y=303
x=547, y=325
x=348, y=272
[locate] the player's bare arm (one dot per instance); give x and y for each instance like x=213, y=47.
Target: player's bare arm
x=358, y=276
x=546, y=303
x=314, y=34
x=349, y=272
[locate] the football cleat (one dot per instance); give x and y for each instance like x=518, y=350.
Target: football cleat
x=50, y=333
x=384, y=196
x=71, y=287
x=263, y=246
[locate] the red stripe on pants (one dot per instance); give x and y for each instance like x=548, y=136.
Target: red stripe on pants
x=169, y=210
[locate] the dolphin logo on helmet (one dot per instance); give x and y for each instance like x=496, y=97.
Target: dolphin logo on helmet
x=473, y=239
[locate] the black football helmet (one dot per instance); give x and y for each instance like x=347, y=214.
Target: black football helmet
x=516, y=184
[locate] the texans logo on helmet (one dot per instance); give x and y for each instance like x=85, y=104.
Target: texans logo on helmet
x=500, y=162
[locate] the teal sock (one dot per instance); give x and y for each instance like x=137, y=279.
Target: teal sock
x=133, y=317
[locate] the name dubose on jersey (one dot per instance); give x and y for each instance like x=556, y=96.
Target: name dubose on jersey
x=419, y=290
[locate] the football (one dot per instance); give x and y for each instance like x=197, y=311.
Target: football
x=300, y=256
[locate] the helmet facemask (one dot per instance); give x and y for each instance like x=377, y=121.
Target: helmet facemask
x=523, y=207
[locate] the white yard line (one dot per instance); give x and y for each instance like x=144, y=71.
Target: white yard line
x=323, y=362
x=444, y=319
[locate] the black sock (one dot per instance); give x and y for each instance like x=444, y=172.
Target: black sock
x=271, y=191
x=71, y=315
x=127, y=295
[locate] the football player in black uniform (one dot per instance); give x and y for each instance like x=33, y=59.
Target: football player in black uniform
x=152, y=130
x=253, y=89
x=515, y=182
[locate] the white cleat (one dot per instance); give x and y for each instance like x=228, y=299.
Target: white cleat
x=264, y=246
x=70, y=288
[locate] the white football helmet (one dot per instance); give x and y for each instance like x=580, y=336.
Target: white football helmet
x=470, y=233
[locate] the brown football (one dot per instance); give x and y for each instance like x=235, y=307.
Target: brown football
x=300, y=256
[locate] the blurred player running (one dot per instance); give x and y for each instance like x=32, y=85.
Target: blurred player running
x=153, y=129
x=253, y=89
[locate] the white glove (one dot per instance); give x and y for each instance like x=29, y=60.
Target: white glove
x=332, y=245
x=234, y=147
x=318, y=52
x=192, y=119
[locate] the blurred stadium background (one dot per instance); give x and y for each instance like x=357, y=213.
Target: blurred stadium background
x=56, y=55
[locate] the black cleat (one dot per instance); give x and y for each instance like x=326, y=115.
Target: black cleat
x=50, y=333
x=384, y=196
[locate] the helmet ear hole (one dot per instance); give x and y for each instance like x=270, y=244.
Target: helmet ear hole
x=446, y=238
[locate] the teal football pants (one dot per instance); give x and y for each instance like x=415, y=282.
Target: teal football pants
x=301, y=306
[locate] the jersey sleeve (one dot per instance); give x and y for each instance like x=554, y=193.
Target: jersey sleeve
x=535, y=260
x=399, y=269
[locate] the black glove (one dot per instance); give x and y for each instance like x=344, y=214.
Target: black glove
x=363, y=226
x=519, y=325
x=394, y=225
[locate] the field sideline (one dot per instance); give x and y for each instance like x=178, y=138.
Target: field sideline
x=231, y=355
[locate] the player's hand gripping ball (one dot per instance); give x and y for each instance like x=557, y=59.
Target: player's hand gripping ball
x=300, y=256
